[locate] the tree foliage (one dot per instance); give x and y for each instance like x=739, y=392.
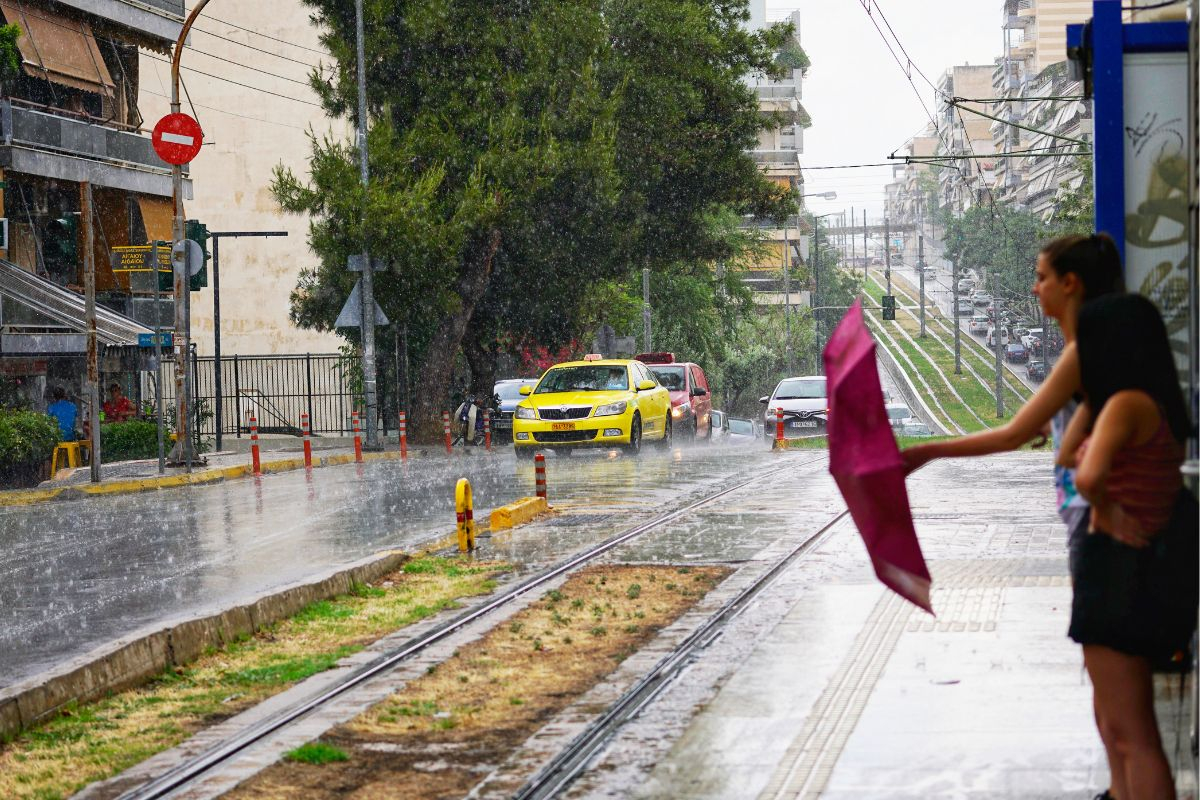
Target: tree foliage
x=527, y=160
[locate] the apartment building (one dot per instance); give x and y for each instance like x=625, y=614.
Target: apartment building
x=964, y=137
x=70, y=122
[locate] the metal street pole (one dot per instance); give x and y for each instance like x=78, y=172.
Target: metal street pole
x=957, y=318
x=816, y=283
x=866, y=247
x=646, y=311
x=181, y=453
x=853, y=242
x=787, y=300
x=887, y=254
x=368, y=283
x=218, y=382
x=93, y=356
x=921, y=272
x=158, y=398
x=997, y=329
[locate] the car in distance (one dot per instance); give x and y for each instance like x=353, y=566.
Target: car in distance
x=691, y=402
x=899, y=414
x=914, y=429
x=509, y=394
x=965, y=307
x=1036, y=370
x=804, y=403
x=596, y=402
x=979, y=323
x=981, y=298
x=1016, y=353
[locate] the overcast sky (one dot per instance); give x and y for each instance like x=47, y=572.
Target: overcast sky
x=862, y=105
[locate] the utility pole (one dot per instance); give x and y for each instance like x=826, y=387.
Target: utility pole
x=853, y=243
x=887, y=254
x=368, y=282
x=817, y=284
x=921, y=274
x=787, y=298
x=182, y=452
x=646, y=311
x=93, y=357
x=957, y=318
x=866, y=248
x=996, y=328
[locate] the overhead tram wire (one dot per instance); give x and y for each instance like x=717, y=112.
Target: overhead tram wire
x=267, y=36
x=239, y=83
x=256, y=49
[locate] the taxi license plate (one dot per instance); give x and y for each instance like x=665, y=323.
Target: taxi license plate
x=804, y=423
x=562, y=426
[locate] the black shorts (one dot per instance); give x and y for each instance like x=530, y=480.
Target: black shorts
x=1140, y=601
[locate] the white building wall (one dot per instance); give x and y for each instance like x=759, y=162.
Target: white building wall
x=247, y=134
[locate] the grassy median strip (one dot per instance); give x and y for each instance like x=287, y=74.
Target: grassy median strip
x=92, y=742
x=443, y=732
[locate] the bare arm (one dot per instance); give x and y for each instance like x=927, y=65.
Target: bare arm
x=1052, y=395
x=1076, y=432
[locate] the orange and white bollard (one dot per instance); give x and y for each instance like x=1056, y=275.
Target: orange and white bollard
x=254, y=457
x=487, y=429
x=357, y=439
x=403, y=428
x=779, y=424
x=446, y=430
x=306, y=429
x=539, y=475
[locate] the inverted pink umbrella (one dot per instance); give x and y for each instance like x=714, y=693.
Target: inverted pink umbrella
x=865, y=461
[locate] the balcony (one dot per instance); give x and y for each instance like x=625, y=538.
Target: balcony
x=53, y=146
x=161, y=19
x=788, y=158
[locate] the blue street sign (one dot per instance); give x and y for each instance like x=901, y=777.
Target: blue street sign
x=164, y=340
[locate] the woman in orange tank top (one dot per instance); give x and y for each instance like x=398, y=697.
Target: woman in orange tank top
x=1126, y=443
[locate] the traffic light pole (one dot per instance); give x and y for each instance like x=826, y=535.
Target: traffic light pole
x=182, y=452
x=218, y=386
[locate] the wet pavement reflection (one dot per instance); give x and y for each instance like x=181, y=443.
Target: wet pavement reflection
x=77, y=574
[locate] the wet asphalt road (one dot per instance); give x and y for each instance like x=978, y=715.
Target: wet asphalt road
x=75, y=575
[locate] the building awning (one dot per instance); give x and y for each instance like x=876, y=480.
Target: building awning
x=158, y=215
x=58, y=48
x=66, y=307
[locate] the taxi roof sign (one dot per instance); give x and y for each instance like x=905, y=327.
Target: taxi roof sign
x=656, y=358
x=594, y=357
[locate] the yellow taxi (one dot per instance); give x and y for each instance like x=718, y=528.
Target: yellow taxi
x=592, y=403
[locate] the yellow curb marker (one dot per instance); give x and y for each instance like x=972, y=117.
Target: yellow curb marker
x=518, y=513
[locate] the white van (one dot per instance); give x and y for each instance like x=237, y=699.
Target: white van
x=991, y=337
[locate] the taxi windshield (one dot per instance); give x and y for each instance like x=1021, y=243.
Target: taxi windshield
x=589, y=378
x=670, y=377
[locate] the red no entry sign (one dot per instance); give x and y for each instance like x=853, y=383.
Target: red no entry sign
x=177, y=138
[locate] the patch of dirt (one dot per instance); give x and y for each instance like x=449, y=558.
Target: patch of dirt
x=444, y=732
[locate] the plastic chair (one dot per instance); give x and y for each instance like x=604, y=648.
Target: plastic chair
x=72, y=453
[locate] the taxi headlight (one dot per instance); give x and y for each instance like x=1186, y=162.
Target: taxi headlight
x=611, y=409
x=525, y=412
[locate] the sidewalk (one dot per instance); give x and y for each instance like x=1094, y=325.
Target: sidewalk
x=857, y=694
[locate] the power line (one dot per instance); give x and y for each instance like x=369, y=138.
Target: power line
x=265, y=36
x=256, y=49
x=238, y=83
x=231, y=113
x=247, y=66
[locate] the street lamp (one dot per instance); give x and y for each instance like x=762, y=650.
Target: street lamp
x=826, y=195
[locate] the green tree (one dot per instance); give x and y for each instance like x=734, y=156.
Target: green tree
x=525, y=159
x=10, y=56
x=1075, y=211
x=1001, y=244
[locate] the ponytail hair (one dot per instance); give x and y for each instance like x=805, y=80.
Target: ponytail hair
x=1093, y=259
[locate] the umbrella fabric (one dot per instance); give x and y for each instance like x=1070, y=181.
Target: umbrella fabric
x=865, y=461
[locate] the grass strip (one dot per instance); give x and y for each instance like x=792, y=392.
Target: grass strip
x=95, y=741
x=971, y=348
x=430, y=739
x=934, y=363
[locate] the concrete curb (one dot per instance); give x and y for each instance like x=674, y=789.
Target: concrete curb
x=25, y=497
x=793, y=444
x=134, y=660
x=518, y=513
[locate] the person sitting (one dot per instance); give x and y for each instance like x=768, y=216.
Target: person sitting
x=616, y=379
x=118, y=408
x=65, y=412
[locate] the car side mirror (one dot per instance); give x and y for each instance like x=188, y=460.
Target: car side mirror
x=764, y=400
x=699, y=391
x=644, y=386
x=526, y=390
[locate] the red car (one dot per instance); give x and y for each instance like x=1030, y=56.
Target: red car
x=691, y=400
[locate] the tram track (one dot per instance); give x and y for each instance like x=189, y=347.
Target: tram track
x=212, y=759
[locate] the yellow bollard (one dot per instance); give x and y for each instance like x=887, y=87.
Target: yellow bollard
x=465, y=514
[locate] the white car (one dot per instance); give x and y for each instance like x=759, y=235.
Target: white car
x=979, y=323
x=991, y=337
x=981, y=298
x=965, y=307
x=805, y=406
x=966, y=285
x=899, y=414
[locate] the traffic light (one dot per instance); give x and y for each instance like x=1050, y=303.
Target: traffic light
x=197, y=231
x=889, y=306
